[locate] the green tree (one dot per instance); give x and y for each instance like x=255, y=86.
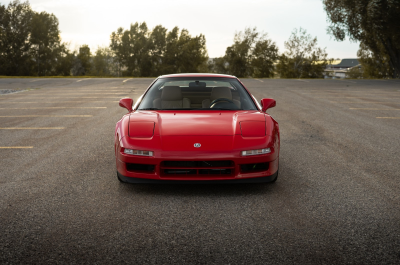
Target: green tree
x=30, y=42
x=355, y=72
x=131, y=49
x=15, y=47
x=374, y=65
x=84, y=60
x=64, y=62
x=119, y=48
x=238, y=56
x=45, y=42
x=170, y=59
x=302, y=58
x=252, y=54
x=192, y=56
x=264, y=55
x=375, y=23
x=218, y=65
x=285, y=67
x=103, y=63
x=157, y=47
x=149, y=53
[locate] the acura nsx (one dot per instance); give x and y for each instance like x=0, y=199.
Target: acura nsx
x=197, y=128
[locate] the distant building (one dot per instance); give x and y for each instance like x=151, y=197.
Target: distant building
x=339, y=68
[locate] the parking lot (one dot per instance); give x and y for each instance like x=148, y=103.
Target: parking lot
x=336, y=201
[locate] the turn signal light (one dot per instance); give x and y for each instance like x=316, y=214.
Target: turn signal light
x=256, y=152
x=138, y=152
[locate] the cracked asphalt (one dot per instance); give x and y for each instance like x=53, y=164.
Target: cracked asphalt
x=336, y=201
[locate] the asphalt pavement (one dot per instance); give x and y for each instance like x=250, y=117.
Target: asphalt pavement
x=336, y=201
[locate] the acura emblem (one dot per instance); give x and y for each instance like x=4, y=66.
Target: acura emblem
x=197, y=145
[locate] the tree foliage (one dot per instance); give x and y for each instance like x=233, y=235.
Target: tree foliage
x=374, y=65
x=142, y=52
x=15, y=32
x=375, y=23
x=45, y=42
x=103, y=63
x=265, y=53
x=30, y=42
x=84, y=60
x=302, y=58
x=252, y=54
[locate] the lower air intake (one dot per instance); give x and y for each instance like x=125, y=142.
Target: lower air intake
x=249, y=168
x=140, y=167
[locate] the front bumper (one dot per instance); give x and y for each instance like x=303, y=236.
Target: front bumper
x=234, y=173
x=219, y=159
x=224, y=181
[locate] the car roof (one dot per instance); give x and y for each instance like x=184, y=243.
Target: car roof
x=197, y=75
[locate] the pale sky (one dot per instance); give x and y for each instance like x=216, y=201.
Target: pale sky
x=92, y=21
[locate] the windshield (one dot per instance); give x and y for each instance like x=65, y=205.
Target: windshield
x=197, y=93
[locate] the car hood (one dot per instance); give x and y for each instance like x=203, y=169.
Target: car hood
x=196, y=123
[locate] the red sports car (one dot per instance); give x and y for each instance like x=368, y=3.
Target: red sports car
x=197, y=128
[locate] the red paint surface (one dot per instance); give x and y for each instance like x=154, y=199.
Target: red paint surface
x=267, y=103
x=252, y=128
x=171, y=135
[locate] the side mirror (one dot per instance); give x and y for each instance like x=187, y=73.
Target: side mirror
x=267, y=103
x=126, y=103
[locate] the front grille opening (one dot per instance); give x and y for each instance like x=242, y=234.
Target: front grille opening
x=198, y=164
x=215, y=171
x=216, y=168
x=180, y=171
x=248, y=168
x=140, y=167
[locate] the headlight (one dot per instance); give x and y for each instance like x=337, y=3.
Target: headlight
x=138, y=152
x=256, y=152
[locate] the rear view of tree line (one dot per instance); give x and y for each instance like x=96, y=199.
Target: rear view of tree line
x=30, y=45
x=253, y=54
x=375, y=24
x=30, y=42
x=151, y=53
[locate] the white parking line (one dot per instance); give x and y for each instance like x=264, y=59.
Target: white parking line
x=60, y=108
x=32, y=128
x=52, y=102
x=346, y=81
x=259, y=80
x=357, y=97
x=88, y=93
x=302, y=80
x=16, y=147
x=126, y=80
x=372, y=109
x=55, y=116
x=78, y=97
x=394, y=118
x=352, y=102
x=83, y=79
x=348, y=92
